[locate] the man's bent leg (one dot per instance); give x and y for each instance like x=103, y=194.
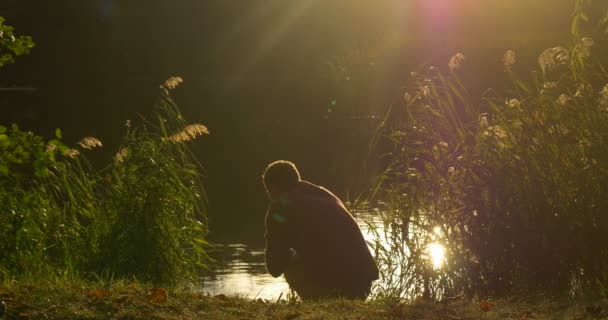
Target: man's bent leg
x=303, y=282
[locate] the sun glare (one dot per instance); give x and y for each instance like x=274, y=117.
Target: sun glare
x=436, y=253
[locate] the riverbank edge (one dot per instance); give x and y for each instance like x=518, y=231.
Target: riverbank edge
x=118, y=299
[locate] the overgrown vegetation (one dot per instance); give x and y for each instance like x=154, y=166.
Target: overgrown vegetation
x=141, y=216
x=512, y=185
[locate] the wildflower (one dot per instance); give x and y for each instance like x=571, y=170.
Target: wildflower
x=190, y=132
x=443, y=144
x=483, y=122
x=552, y=58
x=90, y=143
x=172, y=83
x=128, y=124
x=451, y=171
x=71, y=153
x=456, y=61
x=121, y=155
x=50, y=148
x=563, y=99
x=509, y=59
x=514, y=103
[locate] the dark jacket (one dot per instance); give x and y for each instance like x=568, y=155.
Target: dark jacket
x=312, y=221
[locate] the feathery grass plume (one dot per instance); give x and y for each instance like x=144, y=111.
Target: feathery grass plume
x=563, y=99
x=51, y=147
x=508, y=59
x=71, y=153
x=172, y=83
x=455, y=62
x=585, y=47
x=583, y=90
x=550, y=85
x=190, y=132
x=483, y=122
x=90, y=143
x=121, y=155
x=552, y=58
x=514, y=103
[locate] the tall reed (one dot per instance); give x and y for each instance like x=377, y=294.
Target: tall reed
x=143, y=215
x=513, y=187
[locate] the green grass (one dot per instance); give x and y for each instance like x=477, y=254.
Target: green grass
x=64, y=298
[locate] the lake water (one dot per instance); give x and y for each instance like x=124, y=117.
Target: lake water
x=241, y=269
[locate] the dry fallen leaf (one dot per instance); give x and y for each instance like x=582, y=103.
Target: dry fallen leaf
x=157, y=295
x=485, y=306
x=98, y=294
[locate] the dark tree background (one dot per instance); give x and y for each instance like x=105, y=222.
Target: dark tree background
x=261, y=74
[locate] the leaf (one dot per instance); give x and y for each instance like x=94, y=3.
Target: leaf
x=58, y=133
x=157, y=295
x=98, y=294
x=2, y=129
x=485, y=306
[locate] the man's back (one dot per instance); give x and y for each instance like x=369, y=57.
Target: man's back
x=330, y=249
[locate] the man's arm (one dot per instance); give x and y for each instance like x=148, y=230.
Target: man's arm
x=277, y=241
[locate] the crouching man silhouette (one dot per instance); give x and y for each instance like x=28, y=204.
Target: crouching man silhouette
x=313, y=240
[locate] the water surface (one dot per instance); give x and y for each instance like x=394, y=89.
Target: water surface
x=241, y=269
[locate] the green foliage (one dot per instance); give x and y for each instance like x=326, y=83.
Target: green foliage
x=514, y=188
x=11, y=45
x=39, y=224
x=141, y=216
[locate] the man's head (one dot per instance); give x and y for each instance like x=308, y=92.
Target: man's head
x=280, y=177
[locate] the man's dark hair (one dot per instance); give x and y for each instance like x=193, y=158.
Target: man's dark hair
x=281, y=175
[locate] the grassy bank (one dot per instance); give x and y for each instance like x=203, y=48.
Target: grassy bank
x=75, y=299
